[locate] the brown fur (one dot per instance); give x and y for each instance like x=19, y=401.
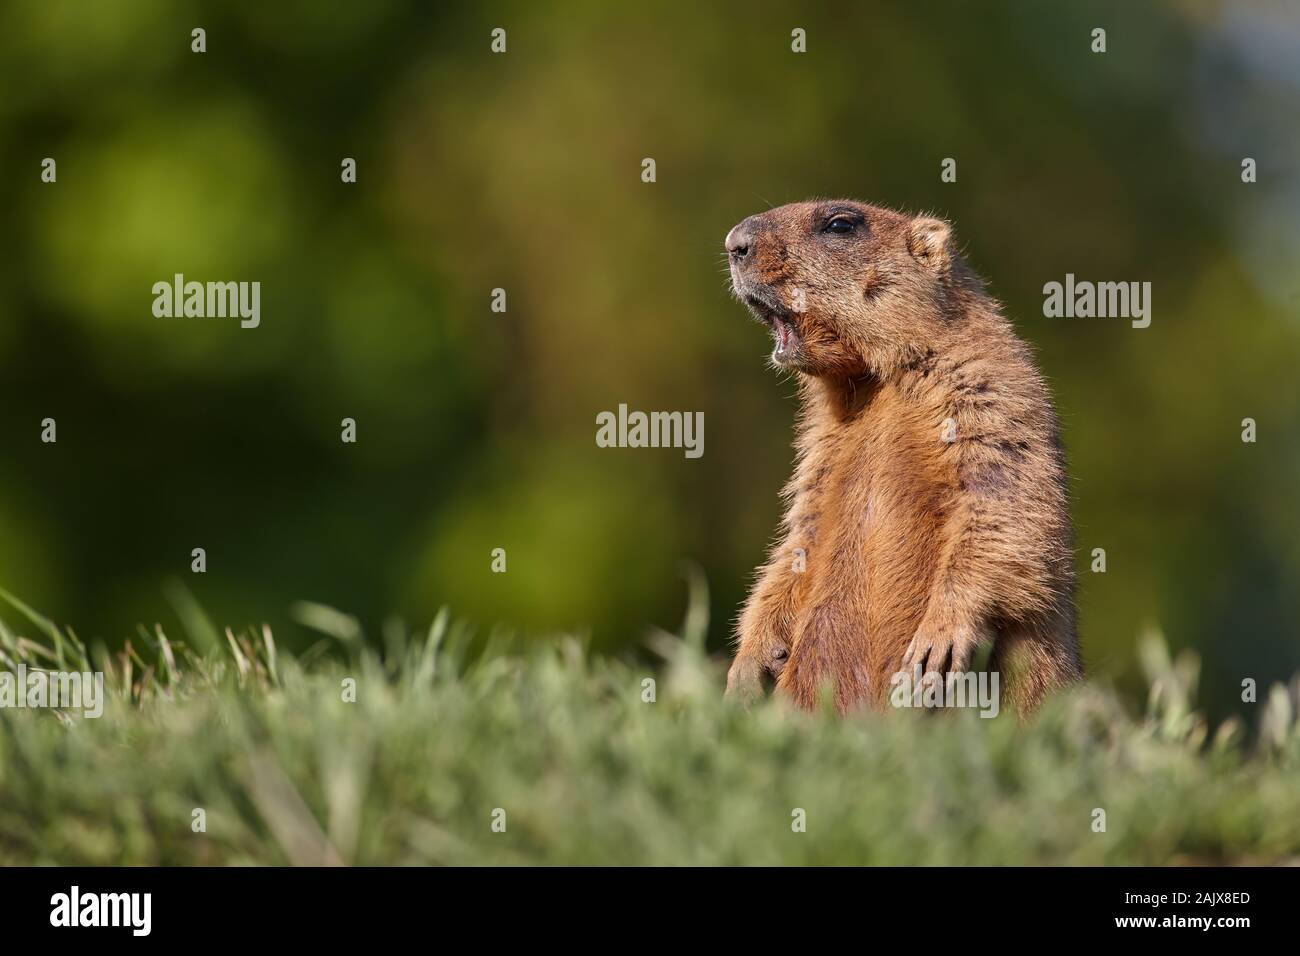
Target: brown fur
x=918, y=550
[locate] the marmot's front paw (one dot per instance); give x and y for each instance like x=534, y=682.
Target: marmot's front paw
x=751, y=671
x=937, y=650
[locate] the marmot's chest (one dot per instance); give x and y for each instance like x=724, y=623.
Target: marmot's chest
x=872, y=500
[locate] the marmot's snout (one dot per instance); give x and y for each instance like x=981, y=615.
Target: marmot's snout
x=754, y=289
x=740, y=240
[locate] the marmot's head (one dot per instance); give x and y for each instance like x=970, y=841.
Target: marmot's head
x=846, y=288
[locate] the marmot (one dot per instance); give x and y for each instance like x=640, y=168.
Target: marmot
x=927, y=514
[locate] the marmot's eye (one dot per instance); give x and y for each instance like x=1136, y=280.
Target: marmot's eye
x=840, y=225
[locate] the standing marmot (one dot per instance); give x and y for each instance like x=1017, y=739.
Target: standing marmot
x=927, y=512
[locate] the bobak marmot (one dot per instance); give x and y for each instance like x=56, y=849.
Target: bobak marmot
x=927, y=515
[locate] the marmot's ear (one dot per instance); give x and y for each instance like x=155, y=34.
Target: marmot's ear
x=927, y=240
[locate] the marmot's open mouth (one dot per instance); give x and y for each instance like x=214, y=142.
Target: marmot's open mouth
x=785, y=336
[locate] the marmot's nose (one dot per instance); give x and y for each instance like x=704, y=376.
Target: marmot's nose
x=740, y=240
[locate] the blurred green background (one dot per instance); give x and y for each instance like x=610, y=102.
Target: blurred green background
x=522, y=171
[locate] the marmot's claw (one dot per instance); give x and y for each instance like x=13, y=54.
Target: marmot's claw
x=937, y=653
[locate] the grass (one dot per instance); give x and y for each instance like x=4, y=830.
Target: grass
x=588, y=772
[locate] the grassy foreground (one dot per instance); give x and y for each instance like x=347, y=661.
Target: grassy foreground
x=587, y=771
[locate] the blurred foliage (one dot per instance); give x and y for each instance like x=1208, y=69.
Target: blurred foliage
x=521, y=171
x=588, y=769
